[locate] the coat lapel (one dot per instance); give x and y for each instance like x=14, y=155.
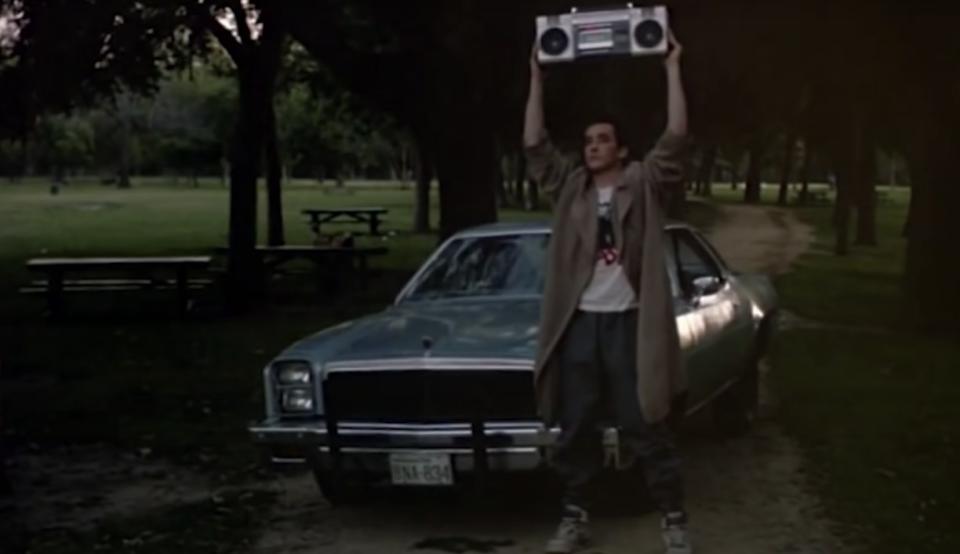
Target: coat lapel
x=584, y=212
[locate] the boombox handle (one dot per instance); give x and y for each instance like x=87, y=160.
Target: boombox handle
x=602, y=8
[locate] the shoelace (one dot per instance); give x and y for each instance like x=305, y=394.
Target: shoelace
x=568, y=527
x=676, y=536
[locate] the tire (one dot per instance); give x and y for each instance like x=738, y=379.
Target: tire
x=735, y=410
x=344, y=490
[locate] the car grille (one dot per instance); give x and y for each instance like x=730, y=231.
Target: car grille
x=437, y=396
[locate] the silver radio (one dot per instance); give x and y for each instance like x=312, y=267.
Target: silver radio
x=628, y=31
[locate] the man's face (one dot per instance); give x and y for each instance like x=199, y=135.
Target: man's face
x=601, y=150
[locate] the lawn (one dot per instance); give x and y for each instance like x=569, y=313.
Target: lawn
x=876, y=408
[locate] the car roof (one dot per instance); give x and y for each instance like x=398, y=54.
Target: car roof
x=533, y=228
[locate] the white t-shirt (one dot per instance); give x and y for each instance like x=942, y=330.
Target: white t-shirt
x=608, y=290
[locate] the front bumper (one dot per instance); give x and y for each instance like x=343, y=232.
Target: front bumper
x=500, y=446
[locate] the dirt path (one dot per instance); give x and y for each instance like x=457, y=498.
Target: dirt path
x=746, y=496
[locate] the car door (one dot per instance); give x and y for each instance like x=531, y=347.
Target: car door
x=709, y=316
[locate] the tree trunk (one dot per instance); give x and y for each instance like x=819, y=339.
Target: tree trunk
x=677, y=202
x=866, y=191
x=27, y=152
x=242, y=271
x=932, y=296
x=123, y=169
x=751, y=192
x=421, y=206
x=533, y=195
x=520, y=179
x=841, y=213
x=465, y=164
x=705, y=174
x=225, y=170
x=275, y=232
x=905, y=231
x=500, y=176
x=805, y=174
x=786, y=170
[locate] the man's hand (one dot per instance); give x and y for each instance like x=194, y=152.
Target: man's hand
x=672, y=59
x=536, y=72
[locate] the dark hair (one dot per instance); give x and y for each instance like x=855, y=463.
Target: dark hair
x=613, y=121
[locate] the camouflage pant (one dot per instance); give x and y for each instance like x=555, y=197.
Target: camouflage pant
x=598, y=385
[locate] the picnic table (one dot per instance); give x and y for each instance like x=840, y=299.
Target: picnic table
x=332, y=263
x=117, y=274
x=370, y=216
x=815, y=197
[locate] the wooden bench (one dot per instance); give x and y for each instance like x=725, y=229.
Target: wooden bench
x=332, y=263
x=117, y=275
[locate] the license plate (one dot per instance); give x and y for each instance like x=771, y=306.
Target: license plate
x=421, y=468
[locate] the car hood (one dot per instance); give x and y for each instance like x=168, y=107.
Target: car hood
x=476, y=328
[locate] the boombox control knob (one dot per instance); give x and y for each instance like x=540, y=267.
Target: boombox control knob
x=648, y=34
x=554, y=42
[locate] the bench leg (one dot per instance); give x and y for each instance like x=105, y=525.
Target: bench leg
x=183, y=294
x=55, y=294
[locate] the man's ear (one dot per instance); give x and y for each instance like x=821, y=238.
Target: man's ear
x=623, y=152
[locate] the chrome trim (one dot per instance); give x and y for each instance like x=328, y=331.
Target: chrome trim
x=456, y=451
x=403, y=436
x=430, y=364
x=280, y=460
x=712, y=396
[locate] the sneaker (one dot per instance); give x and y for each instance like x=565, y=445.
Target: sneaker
x=572, y=533
x=674, y=531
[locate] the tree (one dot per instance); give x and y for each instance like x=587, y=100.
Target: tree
x=256, y=57
x=64, y=143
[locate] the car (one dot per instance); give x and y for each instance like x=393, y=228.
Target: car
x=439, y=386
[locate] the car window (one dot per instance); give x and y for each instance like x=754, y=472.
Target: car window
x=693, y=261
x=485, y=266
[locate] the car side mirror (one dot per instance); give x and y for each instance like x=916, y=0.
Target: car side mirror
x=705, y=286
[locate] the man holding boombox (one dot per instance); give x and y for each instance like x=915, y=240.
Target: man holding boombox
x=608, y=338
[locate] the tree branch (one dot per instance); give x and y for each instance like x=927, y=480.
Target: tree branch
x=223, y=35
x=243, y=28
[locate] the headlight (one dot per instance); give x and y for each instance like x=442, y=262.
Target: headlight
x=293, y=373
x=297, y=400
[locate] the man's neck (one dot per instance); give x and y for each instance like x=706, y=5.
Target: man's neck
x=608, y=177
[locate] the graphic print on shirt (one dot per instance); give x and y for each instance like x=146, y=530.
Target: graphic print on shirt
x=606, y=243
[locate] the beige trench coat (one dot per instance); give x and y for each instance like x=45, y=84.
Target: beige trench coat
x=638, y=229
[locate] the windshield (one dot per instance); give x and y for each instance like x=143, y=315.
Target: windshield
x=503, y=265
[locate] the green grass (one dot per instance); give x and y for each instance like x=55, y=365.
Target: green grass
x=875, y=407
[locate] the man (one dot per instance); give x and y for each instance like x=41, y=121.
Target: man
x=608, y=339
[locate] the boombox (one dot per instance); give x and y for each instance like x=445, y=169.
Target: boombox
x=628, y=31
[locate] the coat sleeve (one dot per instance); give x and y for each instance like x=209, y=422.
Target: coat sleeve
x=548, y=167
x=663, y=166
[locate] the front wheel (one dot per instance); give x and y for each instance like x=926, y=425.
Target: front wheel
x=343, y=489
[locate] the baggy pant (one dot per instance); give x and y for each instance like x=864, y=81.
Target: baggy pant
x=597, y=365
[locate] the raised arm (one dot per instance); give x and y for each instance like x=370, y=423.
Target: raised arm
x=676, y=98
x=664, y=163
x=534, y=127
x=545, y=164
